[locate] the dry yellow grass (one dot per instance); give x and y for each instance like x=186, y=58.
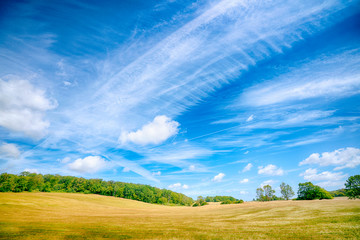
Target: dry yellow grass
x=80, y=216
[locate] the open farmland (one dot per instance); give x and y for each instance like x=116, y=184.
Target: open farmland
x=80, y=216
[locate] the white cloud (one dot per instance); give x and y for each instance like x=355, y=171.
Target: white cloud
x=158, y=173
x=247, y=167
x=192, y=168
x=219, y=177
x=155, y=132
x=268, y=182
x=177, y=186
x=22, y=107
x=31, y=170
x=66, y=83
x=245, y=180
x=243, y=192
x=9, y=150
x=342, y=158
x=311, y=174
x=271, y=170
x=90, y=164
x=250, y=118
x=309, y=81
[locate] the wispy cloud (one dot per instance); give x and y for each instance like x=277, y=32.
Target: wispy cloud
x=247, y=167
x=245, y=180
x=310, y=81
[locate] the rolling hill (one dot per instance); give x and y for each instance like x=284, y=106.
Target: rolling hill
x=87, y=216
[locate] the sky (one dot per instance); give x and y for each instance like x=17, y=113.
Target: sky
x=202, y=97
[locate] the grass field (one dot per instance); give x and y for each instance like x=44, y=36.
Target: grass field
x=80, y=216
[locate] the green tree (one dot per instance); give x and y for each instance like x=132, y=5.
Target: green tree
x=260, y=194
x=286, y=191
x=309, y=191
x=268, y=193
x=352, y=187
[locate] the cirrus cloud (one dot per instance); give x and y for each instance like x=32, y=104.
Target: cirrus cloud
x=247, y=167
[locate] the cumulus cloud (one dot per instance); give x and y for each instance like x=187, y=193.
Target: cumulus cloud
x=9, y=150
x=219, y=177
x=245, y=180
x=342, y=158
x=155, y=132
x=177, y=186
x=22, y=107
x=271, y=170
x=90, y=164
x=247, y=167
x=311, y=174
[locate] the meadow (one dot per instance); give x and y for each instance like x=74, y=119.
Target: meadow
x=85, y=216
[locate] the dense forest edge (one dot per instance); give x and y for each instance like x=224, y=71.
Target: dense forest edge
x=33, y=182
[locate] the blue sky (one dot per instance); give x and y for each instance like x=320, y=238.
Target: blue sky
x=201, y=97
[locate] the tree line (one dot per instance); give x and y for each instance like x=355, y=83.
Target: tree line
x=309, y=191
x=201, y=201
x=31, y=182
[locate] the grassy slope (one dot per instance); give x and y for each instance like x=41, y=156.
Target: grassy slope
x=80, y=216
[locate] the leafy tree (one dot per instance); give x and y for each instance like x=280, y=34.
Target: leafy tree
x=309, y=191
x=268, y=193
x=260, y=194
x=286, y=191
x=338, y=193
x=7, y=182
x=352, y=187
